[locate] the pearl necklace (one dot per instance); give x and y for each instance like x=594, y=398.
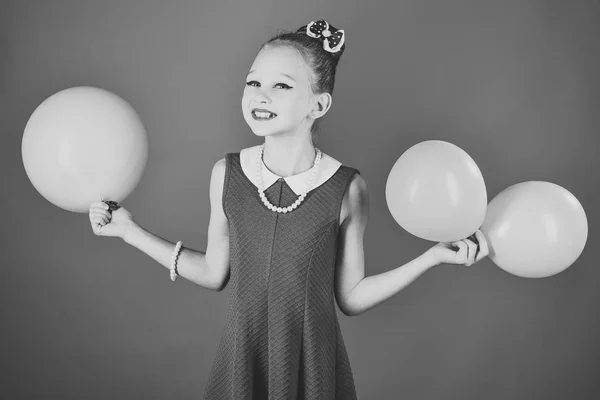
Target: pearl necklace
x=261, y=190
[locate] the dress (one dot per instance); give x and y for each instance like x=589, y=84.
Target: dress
x=281, y=338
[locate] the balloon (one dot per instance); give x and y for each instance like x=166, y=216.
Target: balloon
x=84, y=144
x=535, y=229
x=436, y=192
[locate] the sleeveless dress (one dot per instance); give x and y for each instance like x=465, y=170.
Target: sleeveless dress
x=281, y=339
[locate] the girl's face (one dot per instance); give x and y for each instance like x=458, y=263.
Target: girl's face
x=278, y=97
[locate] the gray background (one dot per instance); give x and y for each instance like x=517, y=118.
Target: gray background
x=513, y=83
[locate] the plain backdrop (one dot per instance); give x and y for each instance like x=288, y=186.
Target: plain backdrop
x=512, y=82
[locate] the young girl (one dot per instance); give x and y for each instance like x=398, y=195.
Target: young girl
x=286, y=233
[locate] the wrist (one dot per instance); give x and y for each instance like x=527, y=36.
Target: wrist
x=129, y=230
x=430, y=258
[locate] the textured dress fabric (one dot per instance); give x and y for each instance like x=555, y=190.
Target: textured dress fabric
x=281, y=338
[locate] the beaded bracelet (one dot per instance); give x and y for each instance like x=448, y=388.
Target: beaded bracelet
x=174, y=261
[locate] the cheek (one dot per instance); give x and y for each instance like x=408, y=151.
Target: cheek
x=246, y=99
x=301, y=105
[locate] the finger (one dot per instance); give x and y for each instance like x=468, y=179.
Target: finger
x=471, y=251
x=92, y=217
x=460, y=257
x=99, y=204
x=97, y=210
x=484, y=249
x=99, y=230
x=100, y=216
x=98, y=221
x=104, y=215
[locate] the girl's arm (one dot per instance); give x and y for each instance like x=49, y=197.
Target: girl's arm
x=356, y=293
x=210, y=269
x=191, y=263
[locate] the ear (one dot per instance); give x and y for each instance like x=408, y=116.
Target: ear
x=321, y=105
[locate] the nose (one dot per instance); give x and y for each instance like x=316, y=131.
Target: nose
x=262, y=97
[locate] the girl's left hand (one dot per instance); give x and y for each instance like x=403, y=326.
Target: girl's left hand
x=465, y=252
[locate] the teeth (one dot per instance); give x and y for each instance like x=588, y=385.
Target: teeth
x=263, y=114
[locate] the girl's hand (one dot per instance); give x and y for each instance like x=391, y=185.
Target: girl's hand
x=106, y=224
x=466, y=252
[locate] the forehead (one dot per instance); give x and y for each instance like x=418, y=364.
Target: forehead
x=281, y=60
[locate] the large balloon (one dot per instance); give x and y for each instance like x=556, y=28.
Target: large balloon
x=535, y=229
x=436, y=192
x=84, y=144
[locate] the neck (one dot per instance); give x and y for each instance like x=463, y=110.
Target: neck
x=288, y=156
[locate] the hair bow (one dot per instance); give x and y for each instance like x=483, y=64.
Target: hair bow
x=333, y=39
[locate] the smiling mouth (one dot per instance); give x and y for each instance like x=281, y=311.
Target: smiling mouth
x=262, y=115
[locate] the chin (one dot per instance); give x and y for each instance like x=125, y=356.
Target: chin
x=259, y=133
x=263, y=134
x=263, y=131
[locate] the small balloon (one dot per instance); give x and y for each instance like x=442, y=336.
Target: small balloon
x=535, y=229
x=84, y=144
x=436, y=191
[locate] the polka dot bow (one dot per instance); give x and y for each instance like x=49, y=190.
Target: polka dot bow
x=333, y=39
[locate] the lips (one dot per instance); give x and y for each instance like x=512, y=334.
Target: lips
x=260, y=114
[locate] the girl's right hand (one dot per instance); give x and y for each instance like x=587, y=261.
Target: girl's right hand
x=105, y=224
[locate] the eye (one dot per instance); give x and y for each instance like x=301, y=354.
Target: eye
x=253, y=83
x=283, y=86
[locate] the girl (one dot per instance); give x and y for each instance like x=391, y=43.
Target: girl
x=286, y=233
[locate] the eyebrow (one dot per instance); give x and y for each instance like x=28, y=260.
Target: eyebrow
x=286, y=75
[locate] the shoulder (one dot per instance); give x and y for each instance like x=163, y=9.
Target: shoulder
x=219, y=174
x=217, y=178
x=356, y=199
x=357, y=192
x=220, y=166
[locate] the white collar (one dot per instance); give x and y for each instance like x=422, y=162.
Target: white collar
x=327, y=167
